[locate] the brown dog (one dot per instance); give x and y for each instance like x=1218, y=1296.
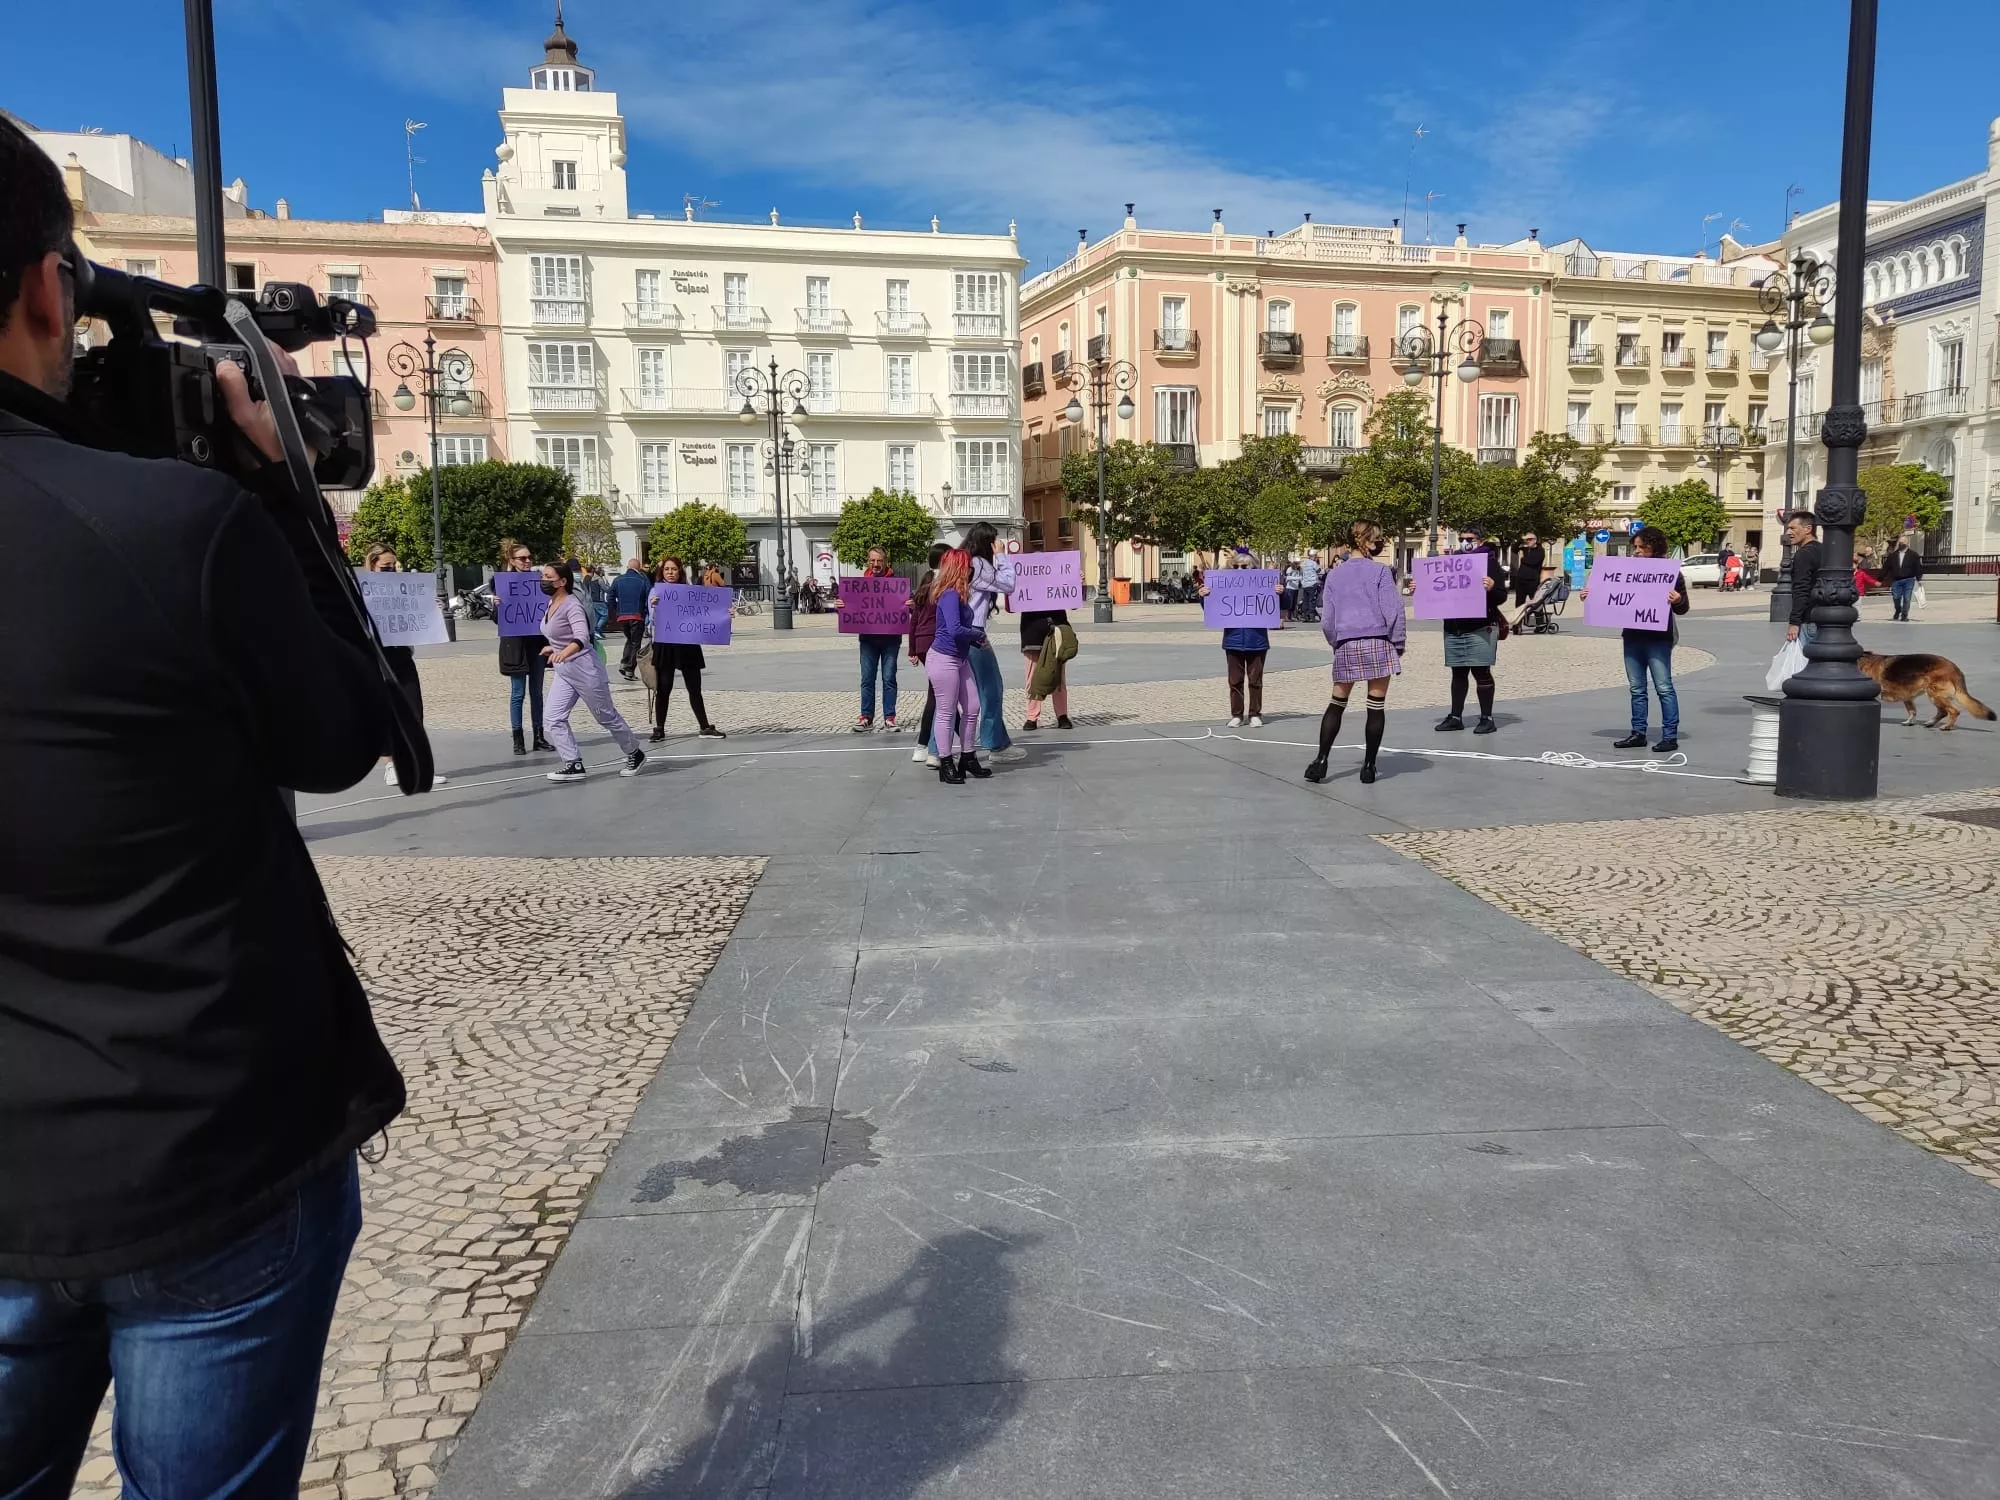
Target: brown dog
x=1904, y=679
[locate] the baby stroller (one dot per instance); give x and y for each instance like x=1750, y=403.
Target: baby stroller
x=1538, y=615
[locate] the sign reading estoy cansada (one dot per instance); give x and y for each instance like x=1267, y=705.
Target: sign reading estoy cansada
x=1240, y=597
x=874, y=606
x=403, y=606
x=1048, y=580
x=519, y=601
x=1631, y=593
x=691, y=614
x=1452, y=587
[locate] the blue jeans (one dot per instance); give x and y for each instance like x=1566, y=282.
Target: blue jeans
x=214, y=1359
x=878, y=654
x=1651, y=653
x=1902, y=591
x=992, y=696
x=528, y=685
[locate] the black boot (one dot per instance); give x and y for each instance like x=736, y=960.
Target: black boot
x=969, y=764
x=1450, y=721
x=948, y=771
x=1378, y=721
x=542, y=742
x=1633, y=741
x=1329, y=730
x=520, y=743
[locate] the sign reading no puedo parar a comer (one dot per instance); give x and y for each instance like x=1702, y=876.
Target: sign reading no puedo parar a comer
x=1241, y=597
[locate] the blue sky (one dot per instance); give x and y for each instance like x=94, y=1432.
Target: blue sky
x=1626, y=124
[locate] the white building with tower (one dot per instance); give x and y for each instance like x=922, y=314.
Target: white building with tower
x=626, y=335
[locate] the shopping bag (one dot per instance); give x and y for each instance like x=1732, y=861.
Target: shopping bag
x=1790, y=658
x=1920, y=594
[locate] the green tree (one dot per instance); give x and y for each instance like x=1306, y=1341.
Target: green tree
x=394, y=514
x=1389, y=481
x=1687, y=512
x=588, y=532
x=1278, y=518
x=698, y=534
x=484, y=502
x=896, y=523
x=1900, y=497
x=1136, y=479
x=1562, y=486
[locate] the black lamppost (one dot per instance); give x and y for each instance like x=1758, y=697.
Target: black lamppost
x=1720, y=442
x=1100, y=376
x=1802, y=298
x=1830, y=724
x=1427, y=357
x=446, y=382
x=782, y=452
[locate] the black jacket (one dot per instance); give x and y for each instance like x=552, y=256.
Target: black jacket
x=182, y=1039
x=1903, y=562
x=1805, y=566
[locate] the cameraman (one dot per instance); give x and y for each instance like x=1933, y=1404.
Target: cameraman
x=187, y=1061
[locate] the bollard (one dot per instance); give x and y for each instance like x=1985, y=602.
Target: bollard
x=1762, y=769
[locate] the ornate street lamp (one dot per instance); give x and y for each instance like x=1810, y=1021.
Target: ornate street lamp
x=1830, y=724
x=1098, y=378
x=1802, y=297
x=1427, y=357
x=446, y=380
x=782, y=454
x=1720, y=443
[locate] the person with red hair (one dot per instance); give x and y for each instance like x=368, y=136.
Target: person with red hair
x=950, y=671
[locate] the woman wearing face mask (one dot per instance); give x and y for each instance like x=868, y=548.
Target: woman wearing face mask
x=1472, y=644
x=684, y=655
x=950, y=672
x=992, y=580
x=579, y=676
x=402, y=660
x=522, y=658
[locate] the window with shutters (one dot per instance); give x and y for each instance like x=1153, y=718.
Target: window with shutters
x=1579, y=421
x=652, y=390
x=1344, y=427
x=981, y=466
x=740, y=475
x=561, y=377
x=1277, y=421
x=1670, y=422
x=821, y=393
x=575, y=456
x=823, y=475
x=457, y=449
x=902, y=381
x=1174, y=414
x=902, y=469
x=978, y=304
x=1278, y=318
x=1499, y=422
x=982, y=384
x=646, y=291
x=555, y=289
x=656, y=471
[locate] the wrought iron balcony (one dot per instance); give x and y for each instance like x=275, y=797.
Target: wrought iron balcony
x=979, y=325
x=1176, y=341
x=982, y=404
x=1586, y=354
x=1344, y=347
x=565, y=398
x=1181, y=456
x=1586, y=432
x=982, y=505
x=656, y=400
x=1504, y=458
x=1633, y=356
x=1032, y=383
x=559, y=312
x=1283, y=351
x=1058, y=363
x=824, y=322
x=1500, y=356
x=1722, y=359
x=1925, y=406
x=1630, y=435
x=450, y=310
x=741, y=317
x=903, y=324
x=652, y=315
x=1674, y=435
x=1676, y=359
x=1760, y=362
x=1098, y=348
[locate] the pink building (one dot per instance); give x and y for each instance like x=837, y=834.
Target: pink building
x=1292, y=333
x=421, y=273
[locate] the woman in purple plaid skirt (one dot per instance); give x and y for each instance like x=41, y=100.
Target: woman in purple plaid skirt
x=1361, y=613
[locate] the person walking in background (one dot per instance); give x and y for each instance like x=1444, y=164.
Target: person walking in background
x=1472, y=644
x=1363, y=622
x=1244, y=648
x=627, y=612
x=923, y=629
x=682, y=656
x=1530, y=563
x=402, y=661
x=1650, y=653
x=1037, y=625
x=878, y=658
x=1904, y=568
x=946, y=664
x=522, y=660
x=1292, y=581
x=596, y=598
x=1309, y=586
x=1802, y=532
x=580, y=676
x=992, y=581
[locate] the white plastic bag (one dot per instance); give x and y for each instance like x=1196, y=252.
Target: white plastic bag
x=1920, y=594
x=1790, y=658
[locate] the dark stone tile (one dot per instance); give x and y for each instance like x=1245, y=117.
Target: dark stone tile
x=675, y=1271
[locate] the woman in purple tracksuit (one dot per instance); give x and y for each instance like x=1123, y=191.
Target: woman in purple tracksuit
x=1361, y=614
x=948, y=666
x=580, y=675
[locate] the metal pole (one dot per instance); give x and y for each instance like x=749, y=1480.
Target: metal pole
x=1781, y=590
x=1437, y=428
x=431, y=396
x=206, y=141
x=1101, y=609
x=1830, y=724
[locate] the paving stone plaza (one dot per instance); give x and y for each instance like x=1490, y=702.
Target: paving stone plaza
x=1148, y=1122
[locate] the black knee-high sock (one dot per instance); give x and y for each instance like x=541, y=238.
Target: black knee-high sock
x=1329, y=726
x=1484, y=677
x=1378, y=718
x=1460, y=677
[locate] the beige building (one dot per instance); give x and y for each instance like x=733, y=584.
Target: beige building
x=1653, y=356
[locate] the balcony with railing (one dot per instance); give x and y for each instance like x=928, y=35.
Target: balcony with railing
x=1098, y=347
x=1585, y=432
x=1058, y=363
x=846, y=403
x=1760, y=362
x=980, y=505
x=559, y=312
x=823, y=322
x=1630, y=435
x=1327, y=459
x=1586, y=354
x=979, y=325
x=902, y=324
x=1500, y=356
x=1184, y=457
x=1923, y=406
x=702, y=400
x=1723, y=359
x=1633, y=356
x=1676, y=358
x=450, y=310
x=1032, y=381
x=1170, y=342
x=982, y=404
x=658, y=316
x=740, y=317
x=1347, y=348
x=1675, y=435
x=357, y=297
x=1501, y=458
x=1282, y=351
x=575, y=396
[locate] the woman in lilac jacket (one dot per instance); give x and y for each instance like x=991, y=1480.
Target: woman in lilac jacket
x=948, y=666
x=1361, y=614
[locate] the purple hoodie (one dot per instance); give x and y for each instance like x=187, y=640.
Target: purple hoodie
x=1361, y=602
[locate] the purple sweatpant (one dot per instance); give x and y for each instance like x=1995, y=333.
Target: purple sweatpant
x=583, y=678
x=951, y=680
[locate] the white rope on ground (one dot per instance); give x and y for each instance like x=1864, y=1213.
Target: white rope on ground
x=1568, y=760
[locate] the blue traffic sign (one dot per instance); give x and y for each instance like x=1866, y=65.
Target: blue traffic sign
x=1637, y=527
x=1604, y=536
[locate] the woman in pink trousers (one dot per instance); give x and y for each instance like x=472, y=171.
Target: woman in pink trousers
x=580, y=675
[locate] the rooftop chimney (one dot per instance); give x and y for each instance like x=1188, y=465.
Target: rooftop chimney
x=284, y=208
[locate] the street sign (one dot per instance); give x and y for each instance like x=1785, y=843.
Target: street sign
x=1637, y=527
x=1603, y=536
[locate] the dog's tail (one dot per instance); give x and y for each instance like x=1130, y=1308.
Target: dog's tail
x=1967, y=702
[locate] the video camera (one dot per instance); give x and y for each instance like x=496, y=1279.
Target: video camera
x=156, y=397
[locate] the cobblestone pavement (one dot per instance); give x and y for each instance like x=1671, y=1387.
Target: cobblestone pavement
x=465, y=692
x=521, y=1080
x=1879, y=981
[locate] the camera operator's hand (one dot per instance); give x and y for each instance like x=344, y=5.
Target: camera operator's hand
x=253, y=418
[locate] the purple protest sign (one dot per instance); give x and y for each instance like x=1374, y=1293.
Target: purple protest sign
x=1452, y=587
x=874, y=606
x=519, y=601
x=1048, y=580
x=691, y=614
x=1631, y=593
x=1241, y=598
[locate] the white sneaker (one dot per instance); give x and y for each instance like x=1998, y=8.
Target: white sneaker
x=389, y=774
x=918, y=755
x=1256, y=722
x=931, y=761
x=438, y=778
x=1012, y=752
x=1236, y=723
